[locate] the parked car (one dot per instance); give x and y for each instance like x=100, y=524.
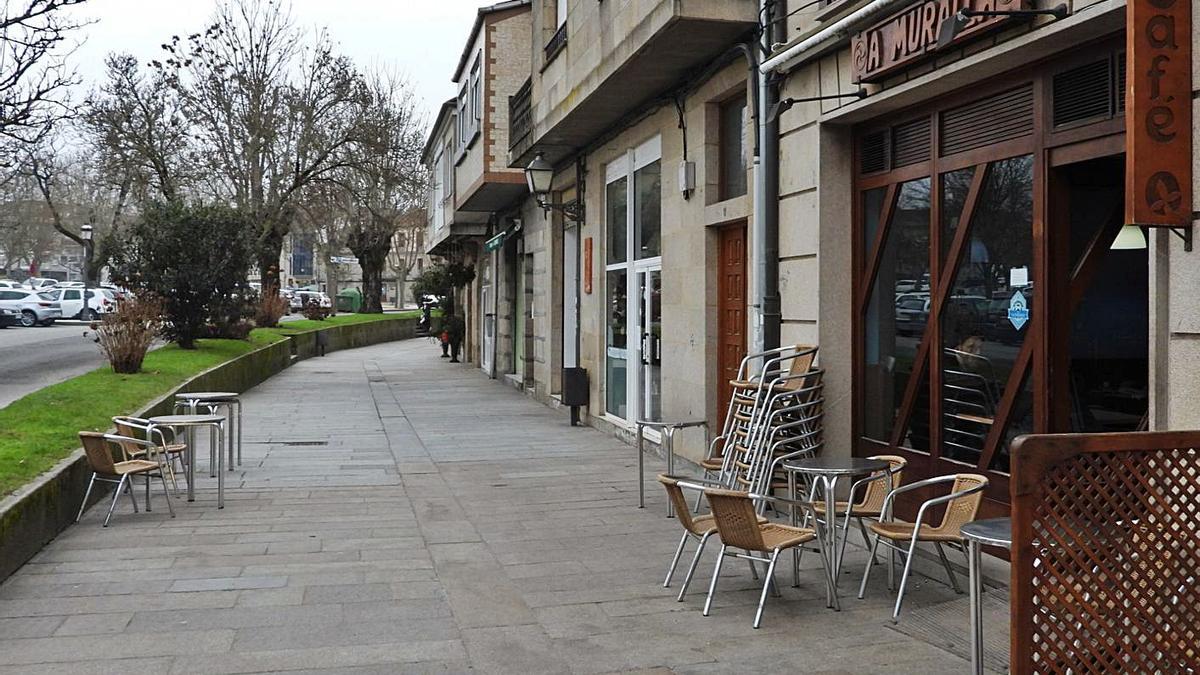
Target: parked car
x=9, y=317
x=9, y=283
x=37, y=309
x=912, y=311
x=301, y=298
x=40, y=283
x=70, y=300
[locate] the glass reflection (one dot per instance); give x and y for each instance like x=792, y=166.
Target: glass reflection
x=986, y=316
x=616, y=203
x=897, y=309
x=647, y=183
x=617, y=355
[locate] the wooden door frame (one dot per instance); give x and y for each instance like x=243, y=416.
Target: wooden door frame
x=1049, y=147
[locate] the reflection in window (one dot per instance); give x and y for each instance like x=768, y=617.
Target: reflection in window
x=986, y=316
x=733, y=148
x=615, y=205
x=872, y=212
x=647, y=185
x=897, y=309
x=955, y=186
x=617, y=340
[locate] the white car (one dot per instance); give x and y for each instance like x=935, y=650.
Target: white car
x=40, y=283
x=70, y=301
x=35, y=308
x=301, y=298
x=9, y=283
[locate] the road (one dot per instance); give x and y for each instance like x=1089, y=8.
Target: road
x=31, y=358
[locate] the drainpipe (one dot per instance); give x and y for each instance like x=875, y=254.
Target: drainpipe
x=766, y=198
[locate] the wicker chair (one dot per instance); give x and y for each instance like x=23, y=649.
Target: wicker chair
x=105, y=470
x=739, y=526
x=961, y=506
x=875, y=489
x=699, y=528
x=138, y=428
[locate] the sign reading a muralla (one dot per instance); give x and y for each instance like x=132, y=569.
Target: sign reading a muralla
x=911, y=34
x=1158, y=118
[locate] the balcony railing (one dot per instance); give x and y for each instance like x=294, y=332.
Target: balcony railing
x=520, y=117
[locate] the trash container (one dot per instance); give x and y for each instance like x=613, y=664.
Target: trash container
x=349, y=300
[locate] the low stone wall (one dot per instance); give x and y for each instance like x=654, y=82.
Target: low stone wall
x=36, y=513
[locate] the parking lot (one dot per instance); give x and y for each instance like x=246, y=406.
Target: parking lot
x=31, y=358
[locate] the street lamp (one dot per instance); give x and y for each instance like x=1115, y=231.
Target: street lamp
x=956, y=24
x=86, y=234
x=539, y=176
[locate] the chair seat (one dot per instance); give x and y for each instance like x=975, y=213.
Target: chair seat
x=714, y=464
x=170, y=449
x=840, y=507
x=900, y=531
x=134, y=466
x=779, y=536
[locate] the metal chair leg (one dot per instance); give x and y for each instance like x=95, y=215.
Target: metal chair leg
x=687, y=580
x=675, y=560
x=762, y=598
x=113, y=505
x=87, y=494
x=891, y=553
x=862, y=589
x=831, y=591
x=166, y=493
x=949, y=570
x=912, y=551
x=866, y=539
x=753, y=569
x=133, y=499
x=712, y=586
x=148, y=505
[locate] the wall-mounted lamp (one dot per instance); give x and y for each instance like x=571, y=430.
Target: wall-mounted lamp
x=539, y=175
x=1129, y=238
x=956, y=24
x=779, y=108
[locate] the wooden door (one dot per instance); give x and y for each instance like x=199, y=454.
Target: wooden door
x=731, y=309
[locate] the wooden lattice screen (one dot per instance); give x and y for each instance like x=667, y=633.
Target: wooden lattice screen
x=1106, y=553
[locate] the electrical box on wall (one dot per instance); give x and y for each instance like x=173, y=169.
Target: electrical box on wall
x=687, y=177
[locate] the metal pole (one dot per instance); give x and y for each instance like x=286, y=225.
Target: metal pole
x=641, y=470
x=975, y=560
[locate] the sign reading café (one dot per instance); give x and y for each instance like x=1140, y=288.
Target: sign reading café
x=911, y=34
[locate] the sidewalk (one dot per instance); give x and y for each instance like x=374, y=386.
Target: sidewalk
x=396, y=513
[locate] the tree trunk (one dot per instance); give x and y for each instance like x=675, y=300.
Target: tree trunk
x=372, y=261
x=269, y=248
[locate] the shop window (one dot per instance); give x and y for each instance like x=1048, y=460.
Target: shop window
x=733, y=148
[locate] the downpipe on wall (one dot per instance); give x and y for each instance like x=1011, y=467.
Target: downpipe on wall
x=765, y=234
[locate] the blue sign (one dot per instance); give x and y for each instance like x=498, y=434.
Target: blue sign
x=1018, y=311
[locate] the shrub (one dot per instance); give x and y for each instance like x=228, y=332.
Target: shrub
x=230, y=318
x=270, y=308
x=192, y=256
x=315, y=312
x=125, y=335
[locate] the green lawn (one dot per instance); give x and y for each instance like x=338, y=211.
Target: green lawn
x=40, y=429
x=293, y=327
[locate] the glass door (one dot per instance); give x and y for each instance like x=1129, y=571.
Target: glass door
x=650, y=351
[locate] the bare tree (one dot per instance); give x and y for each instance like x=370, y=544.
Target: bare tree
x=34, y=77
x=323, y=218
x=138, y=127
x=408, y=245
x=389, y=180
x=27, y=234
x=274, y=112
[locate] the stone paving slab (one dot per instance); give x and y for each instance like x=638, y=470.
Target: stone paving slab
x=396, y=513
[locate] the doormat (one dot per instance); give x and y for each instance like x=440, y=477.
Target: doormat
x=947, y=626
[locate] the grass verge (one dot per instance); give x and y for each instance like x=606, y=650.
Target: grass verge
x=302, y=325
x=40, y=429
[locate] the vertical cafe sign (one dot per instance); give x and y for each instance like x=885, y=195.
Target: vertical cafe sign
x=1158, y=122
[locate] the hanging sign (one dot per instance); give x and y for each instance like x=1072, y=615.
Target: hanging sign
x=1158, y=119
x=495, y=242
x=911, y=34
x=1018, y=311
x=587, y=265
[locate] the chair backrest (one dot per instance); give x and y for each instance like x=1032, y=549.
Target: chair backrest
x=877, y=490
x=124, y=429
x=99, y=456
x=682, y=510
x=736, y=519
x=962, y=510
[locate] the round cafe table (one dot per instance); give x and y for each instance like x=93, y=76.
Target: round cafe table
x=977, y=534
x=827, y=471
x=192, y=401
x=217, y=437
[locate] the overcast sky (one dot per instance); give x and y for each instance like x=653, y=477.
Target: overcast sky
x=421, y=38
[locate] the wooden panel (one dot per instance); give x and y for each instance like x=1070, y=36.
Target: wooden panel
x=731, y=309
x=1158, y=173
x=1106, y=544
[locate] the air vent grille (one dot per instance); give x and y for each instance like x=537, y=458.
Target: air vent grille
x=1084, y=93
x=910, y=142
x=873, y=155
x=997, y=118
